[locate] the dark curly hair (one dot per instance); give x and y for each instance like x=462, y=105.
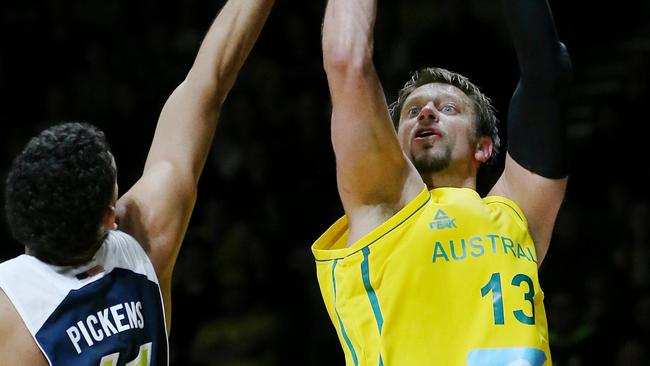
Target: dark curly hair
x=58, y=191
x=486, y=120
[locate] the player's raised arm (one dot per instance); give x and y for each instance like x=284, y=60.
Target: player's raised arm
x=374, y=178
x=536, y=170
x=157, y=209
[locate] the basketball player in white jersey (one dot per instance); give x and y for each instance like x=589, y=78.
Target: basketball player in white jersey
x=93, y=287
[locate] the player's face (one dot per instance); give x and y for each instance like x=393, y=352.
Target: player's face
x=437, y=127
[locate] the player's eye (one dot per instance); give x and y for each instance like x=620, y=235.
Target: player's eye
x=413, y=111
x=448, y=108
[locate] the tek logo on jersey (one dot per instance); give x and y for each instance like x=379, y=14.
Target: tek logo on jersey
x=442, y=221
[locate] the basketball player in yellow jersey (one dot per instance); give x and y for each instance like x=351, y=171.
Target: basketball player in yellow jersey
x=421, y=270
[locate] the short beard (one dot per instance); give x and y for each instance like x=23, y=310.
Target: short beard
x=432, y=164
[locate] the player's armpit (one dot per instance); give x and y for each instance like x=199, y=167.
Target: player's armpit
x=538, y=197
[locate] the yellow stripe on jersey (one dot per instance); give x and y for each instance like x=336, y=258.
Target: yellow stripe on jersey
x=451, y=279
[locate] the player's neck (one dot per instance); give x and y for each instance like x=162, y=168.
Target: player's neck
x=447, y=178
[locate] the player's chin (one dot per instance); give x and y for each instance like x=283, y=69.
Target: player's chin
x=424, y=150
x=422, y=156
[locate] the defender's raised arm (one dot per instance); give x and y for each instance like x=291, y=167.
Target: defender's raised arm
x=158, y=207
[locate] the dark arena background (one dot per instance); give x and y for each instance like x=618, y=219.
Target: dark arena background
x=245, y=290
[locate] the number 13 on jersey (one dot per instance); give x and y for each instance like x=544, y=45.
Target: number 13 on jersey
x=494, y=286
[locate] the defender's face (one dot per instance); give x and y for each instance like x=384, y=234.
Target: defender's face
x=436, y=127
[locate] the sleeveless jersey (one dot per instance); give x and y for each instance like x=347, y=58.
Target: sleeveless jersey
x=108, y=312
x=451, y=279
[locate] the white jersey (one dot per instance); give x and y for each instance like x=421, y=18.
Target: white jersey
x=108, y=312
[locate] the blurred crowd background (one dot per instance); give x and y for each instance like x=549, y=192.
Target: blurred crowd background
x=245, y=290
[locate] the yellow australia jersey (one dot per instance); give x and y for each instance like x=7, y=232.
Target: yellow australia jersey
x=451, y=279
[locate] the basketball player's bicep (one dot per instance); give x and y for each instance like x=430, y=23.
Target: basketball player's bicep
x=371, y=168
x=156, y=211
x=17, y=347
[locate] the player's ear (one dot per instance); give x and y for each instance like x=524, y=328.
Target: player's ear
x=483, y=150
x=108, y=222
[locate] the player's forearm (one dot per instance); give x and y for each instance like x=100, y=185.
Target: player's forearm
x=226, y=46
x=543, y=61
x=188, y=120
x=536, y=128
x=348, y=35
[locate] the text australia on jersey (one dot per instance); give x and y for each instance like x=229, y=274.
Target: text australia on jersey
x=457, y=249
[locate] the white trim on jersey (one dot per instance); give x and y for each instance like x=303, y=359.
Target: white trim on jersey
x=36, y=288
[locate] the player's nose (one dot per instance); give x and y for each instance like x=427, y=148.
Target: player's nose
x=428, y=113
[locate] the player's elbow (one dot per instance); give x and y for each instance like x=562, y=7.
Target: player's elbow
x=344, y=59
x=560, y=69
x=205, y=89
x=564, y=66
x=551, y=79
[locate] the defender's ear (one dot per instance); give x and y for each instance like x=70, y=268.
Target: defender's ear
x=109, y=223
